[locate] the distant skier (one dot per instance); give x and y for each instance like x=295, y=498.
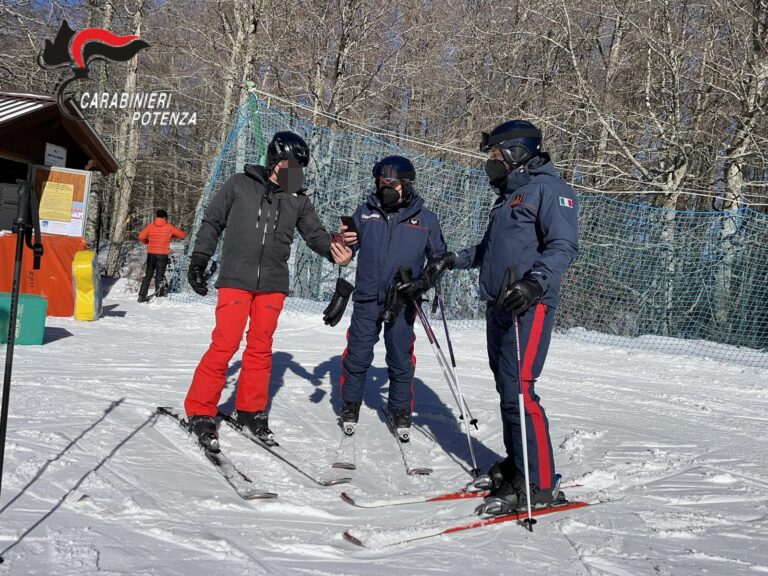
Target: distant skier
x=532, y=237
x=260, y=209
x=396, y=231
x=158, y=235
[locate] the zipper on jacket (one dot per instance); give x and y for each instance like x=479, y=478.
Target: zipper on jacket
x=263, y=240
x=277, y=217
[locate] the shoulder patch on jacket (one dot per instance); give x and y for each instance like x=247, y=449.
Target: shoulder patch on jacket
x=516, y=200
x=567, y=202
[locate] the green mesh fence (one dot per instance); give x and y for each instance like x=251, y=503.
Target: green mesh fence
x=681, y=282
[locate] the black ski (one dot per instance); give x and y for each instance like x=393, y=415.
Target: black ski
x=235, y=477
x=283, y=454
x=406, y=450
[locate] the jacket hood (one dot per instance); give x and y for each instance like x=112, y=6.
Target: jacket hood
x=519, y=177
x=258, y=173
x=542, y=164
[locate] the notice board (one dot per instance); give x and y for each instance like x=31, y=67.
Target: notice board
x=62, y=194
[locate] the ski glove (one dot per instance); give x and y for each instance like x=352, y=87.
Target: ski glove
x=196, y=276
x=335, y=310
x=413, y=289
x=437, y=266
x=521, y=295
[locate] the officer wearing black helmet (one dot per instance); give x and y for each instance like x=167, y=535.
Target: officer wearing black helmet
x=260, y=208
x=397, y=233
x=531, y=238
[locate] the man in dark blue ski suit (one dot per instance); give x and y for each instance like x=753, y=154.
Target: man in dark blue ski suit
x=532, y=237
x=395, y=230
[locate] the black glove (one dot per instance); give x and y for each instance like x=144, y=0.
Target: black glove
x=393, y=304
x=413, y=289
x=196, y=276
x=335, y=310
x=521, y=295
x=437, y=266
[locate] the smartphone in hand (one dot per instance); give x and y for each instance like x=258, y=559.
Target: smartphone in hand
x=349, y=222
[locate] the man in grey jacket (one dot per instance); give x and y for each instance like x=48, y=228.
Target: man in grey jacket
x=260, y=209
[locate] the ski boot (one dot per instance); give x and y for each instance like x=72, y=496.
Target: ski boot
x=204, y=427
x=500, y=472
x=401, y=421
x=257, y=423
x=350, y=413
x=511, y=497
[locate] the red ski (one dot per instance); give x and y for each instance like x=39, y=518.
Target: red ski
x=414, y=499
x=384, y=539
x=465, y=492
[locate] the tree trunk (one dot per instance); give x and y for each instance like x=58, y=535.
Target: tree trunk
x=99, y=186
x=753, y=100
x=127, y=174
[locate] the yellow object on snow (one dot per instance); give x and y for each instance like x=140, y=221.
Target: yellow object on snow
x=87, y=285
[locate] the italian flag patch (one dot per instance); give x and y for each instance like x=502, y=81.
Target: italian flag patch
x=567, y=202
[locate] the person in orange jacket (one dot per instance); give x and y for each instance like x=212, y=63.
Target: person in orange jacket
x=157, y=235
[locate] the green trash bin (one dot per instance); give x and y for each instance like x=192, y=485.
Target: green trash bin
x=30, y=318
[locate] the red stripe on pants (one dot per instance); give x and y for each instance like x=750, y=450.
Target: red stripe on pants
x=532, y=407
x=233, y=310
x=343, y=377
x=413, y=362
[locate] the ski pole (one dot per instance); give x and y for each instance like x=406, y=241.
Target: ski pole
x=440, y=356
x=432, y=341
x=447, y=373
x=453, y=381
x=441, y=303
x=530, y=521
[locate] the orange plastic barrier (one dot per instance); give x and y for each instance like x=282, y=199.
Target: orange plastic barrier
x=54, y=278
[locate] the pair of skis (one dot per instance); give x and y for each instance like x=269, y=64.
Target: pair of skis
x=236, y=478
x=345, y=454
x=371, y=538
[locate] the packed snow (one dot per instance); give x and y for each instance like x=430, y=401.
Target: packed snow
x=670, y=448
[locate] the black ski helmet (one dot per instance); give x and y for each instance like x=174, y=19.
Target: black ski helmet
x=285, y=145
x=518, y=140
x=398, y=167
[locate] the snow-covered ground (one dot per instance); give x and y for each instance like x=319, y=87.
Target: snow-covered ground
x=94, y=483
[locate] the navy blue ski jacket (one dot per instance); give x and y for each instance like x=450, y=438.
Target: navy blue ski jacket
x=387, y=241
x=532, y=226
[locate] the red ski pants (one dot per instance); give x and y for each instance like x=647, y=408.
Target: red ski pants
x=233, y=309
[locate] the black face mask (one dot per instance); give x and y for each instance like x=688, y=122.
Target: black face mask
x=291, y=178
x=497, y=173
x=389, y=198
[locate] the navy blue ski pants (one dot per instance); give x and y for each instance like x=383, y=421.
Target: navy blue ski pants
x=535, y=326
x=362, y=336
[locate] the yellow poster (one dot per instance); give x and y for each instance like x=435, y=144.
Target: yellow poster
x=56, y=203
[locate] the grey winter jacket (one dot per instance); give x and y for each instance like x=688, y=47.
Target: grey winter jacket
x=260, y=220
